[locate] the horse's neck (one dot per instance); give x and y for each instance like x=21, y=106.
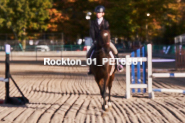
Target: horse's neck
x=98, y=47
x=102, y=53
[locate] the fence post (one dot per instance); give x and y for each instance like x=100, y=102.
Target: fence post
x=144, y=67
x=149, y=60
x=7, y=65
x=127, y=77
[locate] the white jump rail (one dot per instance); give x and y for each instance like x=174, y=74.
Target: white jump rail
x=169, y=90
x=150, y=76
x=167, y=75
x=153, y=60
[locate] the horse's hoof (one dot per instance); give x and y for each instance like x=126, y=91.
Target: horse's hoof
x=109, y=104
x=106, y=107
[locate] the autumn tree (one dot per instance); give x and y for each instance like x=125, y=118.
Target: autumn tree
x=127, y=18
x=23, y=15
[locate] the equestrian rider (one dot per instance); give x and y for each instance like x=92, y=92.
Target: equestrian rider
x=94, y=30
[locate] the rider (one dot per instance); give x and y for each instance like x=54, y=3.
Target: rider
x=94, y=30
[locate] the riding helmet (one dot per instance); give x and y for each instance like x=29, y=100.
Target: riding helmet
x=99, y=9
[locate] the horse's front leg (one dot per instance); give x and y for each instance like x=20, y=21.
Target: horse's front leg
x=102, y=92
x=110, y=86
x=104, y=106
x=109, y=101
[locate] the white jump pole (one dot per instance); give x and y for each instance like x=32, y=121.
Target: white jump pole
x=127, y=78
x=167, y=75
x=169, y=90
x=145, y=59
x=163, y=60
x=149, y=55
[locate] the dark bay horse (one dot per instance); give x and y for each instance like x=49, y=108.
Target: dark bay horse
x=102, y=73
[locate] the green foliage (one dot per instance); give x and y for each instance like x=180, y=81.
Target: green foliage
x=23, y=15
x=129, y=17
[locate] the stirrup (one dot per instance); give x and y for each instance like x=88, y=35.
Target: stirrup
x=119, y=68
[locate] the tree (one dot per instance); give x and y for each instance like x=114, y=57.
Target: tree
x=127, y=18
x=23, y=15
x=72, y=20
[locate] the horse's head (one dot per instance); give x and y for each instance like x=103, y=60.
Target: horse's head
x=105, y=38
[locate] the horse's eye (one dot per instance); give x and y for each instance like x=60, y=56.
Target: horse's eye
x=105, y=34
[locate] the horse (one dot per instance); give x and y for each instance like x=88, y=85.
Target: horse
x=102, y=73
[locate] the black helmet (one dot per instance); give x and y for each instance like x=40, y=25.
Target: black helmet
x=99, y=9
